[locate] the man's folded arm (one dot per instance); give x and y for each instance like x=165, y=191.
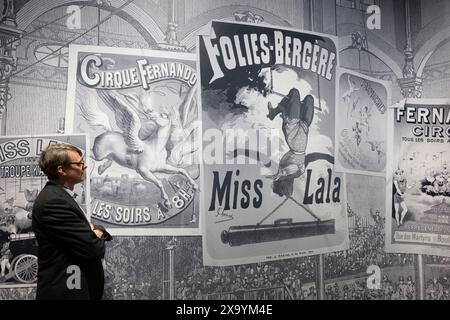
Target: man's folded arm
x=63, y=224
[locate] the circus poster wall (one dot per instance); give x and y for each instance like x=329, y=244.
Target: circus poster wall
x=139, y=108
x=418, y=188
x=268, y=107
x=361, y=124
x=21, y=180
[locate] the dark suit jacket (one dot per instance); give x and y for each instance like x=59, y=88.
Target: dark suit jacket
x=65, y=239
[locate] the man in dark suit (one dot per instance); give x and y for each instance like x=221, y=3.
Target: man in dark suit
x=70, y=248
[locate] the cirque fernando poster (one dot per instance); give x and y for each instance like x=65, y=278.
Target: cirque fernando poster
x=139, y=108
x=418, y=187
x=268, y=100
x=361, y=124
x=21, y=180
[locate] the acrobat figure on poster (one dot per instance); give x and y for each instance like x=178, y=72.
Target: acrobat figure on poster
x=400, y=185
x=376, y=146
x=357, y=130
x=353, y=109
x=5, y=257
x=365, y=117
x=297, y=116
x=351, y=88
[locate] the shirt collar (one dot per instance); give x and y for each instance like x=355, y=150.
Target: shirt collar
x=70, y=192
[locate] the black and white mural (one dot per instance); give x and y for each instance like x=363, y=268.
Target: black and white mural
x=389, y=50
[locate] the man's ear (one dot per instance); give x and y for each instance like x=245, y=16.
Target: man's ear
x=61, y=170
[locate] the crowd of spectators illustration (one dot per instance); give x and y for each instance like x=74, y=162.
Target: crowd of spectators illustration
x=27, y=293
x=298, y=275
x=344, y=271
x=366, y=248
x=135, y=269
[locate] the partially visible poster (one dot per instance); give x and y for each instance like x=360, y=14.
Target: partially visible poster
x=418, y=186
x=361, y=121
x=140, y=109
x=21, y=180
x=268, y=104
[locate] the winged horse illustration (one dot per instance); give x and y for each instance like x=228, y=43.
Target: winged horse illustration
x=147, y=137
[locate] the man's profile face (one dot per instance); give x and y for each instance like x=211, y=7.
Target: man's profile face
x=75, y=170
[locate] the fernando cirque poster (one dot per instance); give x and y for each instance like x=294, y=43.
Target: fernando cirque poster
x=361, y=122
x=268, y=100
x=21, y=180
x=139, y=108
x=418, y=186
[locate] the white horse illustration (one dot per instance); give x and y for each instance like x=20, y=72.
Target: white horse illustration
x=142, y=143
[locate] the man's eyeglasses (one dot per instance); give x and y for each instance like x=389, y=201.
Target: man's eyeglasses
x=82, y=162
